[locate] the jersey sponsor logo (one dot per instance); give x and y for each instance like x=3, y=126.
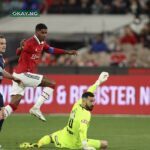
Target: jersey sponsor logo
x=84, y=121
x=32, y=76
x=34, y=56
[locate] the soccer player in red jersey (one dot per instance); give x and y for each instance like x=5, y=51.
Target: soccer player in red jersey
x=30, y=53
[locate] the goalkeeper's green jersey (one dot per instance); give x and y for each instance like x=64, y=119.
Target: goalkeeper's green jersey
x=76, y=130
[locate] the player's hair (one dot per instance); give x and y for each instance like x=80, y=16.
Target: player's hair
x=87, y=94
x=40, y=26
x=2, y=37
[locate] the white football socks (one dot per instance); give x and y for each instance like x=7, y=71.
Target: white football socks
x=7, y=111
x=47, y=91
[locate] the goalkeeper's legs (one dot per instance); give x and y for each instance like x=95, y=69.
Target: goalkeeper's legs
x=45, y=140
x=104, y=145
x=98, y=144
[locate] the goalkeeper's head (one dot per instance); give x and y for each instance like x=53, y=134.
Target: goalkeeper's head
x=88, y=101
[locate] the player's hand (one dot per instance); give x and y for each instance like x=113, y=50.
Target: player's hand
x=72, y=52
x=22, y=44
x=89, y=148
x=103, y=77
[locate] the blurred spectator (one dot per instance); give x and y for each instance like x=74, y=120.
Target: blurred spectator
x=98, y=44
x=135, y=7
x=129, y=37
x=57, y=6
x=107, y=6
x=132, y=62
x=118, y=58
x=47, y=59
x=1, y=10
x=97, y=7
x=6, y=6
x=65, y=61
x=145, y=35
x=80, y=6
x=46, y=5
x=9, y=5
x=32, y=4
x=16, y=4
x=143, y=5
x=90, y=60
x=72, y=7
x=137, y=25
x=84, y=6
x=147, y=8
x=118, y=7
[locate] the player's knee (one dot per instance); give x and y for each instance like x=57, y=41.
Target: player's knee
x=104, y=144
x=48, y=83
x=53, y=83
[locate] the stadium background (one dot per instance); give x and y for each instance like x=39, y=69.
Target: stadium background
x=110, y=35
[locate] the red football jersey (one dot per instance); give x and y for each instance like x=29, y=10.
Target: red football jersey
x=31, y=54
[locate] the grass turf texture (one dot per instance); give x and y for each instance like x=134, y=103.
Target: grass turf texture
x=122, y=133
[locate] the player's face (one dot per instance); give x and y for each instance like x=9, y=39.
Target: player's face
x=41, y=34
x=2, y=45
x=90, y=103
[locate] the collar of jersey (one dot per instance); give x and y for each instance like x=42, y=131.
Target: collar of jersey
x=83, y=107
x=36, y=38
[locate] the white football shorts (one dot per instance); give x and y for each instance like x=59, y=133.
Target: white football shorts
x=28, y=79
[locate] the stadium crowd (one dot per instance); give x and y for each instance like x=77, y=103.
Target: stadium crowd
x=128, y=47
x=79, y=6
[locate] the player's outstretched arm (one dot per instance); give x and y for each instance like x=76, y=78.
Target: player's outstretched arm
x=53, y=50
x=71, y=52
x=101, y=79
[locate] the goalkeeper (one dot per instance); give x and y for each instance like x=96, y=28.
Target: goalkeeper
x=74, y=135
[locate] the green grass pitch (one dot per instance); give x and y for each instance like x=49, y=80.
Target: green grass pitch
x=122, y=133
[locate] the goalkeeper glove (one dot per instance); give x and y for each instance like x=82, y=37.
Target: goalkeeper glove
x=86, y=147
x=102, y=78
x=89, y=148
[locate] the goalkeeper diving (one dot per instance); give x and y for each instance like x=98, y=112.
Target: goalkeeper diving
x=74, y=135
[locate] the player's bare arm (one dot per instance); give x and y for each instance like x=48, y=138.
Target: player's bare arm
x=9, y=76
x=72, y=52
